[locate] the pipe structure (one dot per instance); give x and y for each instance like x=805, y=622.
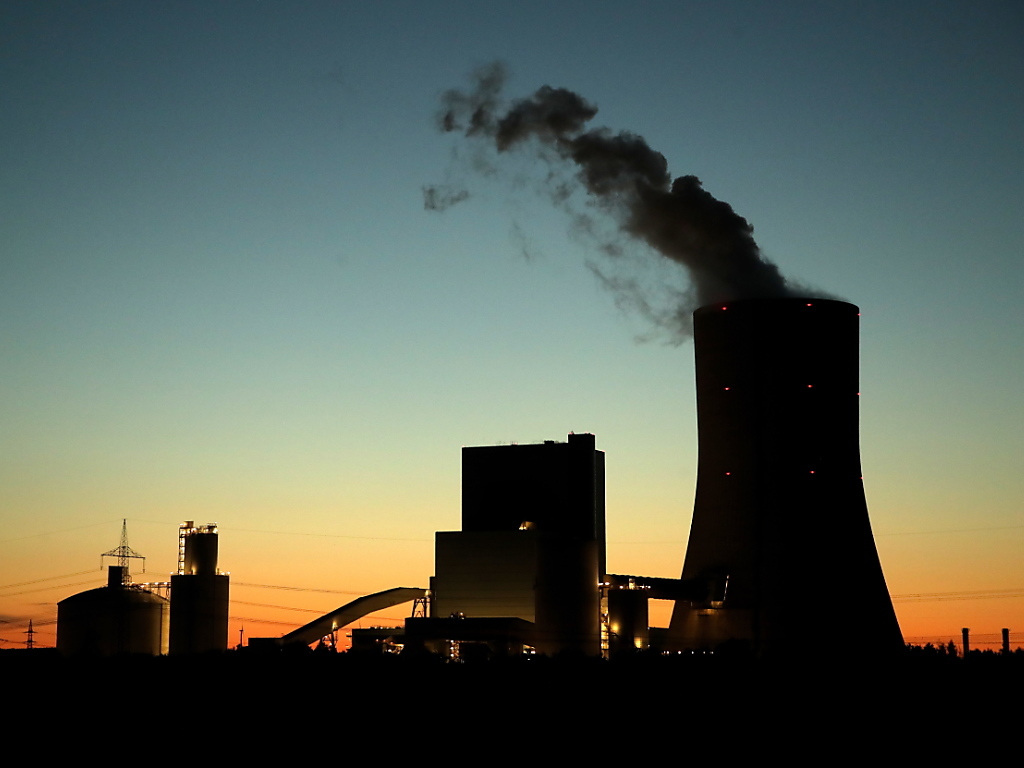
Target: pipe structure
x=343, y=616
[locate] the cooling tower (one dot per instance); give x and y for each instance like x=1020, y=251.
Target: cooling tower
x=780, y=533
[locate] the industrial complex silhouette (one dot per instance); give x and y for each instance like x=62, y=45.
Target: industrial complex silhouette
x=125, y=617
x=780, y=553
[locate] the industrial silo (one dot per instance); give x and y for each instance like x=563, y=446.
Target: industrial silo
x=113, y=620
x=199, y=594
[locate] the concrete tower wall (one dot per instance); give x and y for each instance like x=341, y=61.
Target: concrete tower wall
x=780, y=530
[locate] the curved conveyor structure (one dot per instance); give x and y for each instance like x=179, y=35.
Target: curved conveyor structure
x=346, y=614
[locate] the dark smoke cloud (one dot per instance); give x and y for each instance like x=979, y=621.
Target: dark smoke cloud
x=441, y=197
x=630, y=182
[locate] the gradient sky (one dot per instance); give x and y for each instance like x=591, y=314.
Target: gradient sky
x=221, y=298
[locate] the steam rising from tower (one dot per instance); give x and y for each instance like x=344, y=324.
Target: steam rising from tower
x=626, y=179
x=780, y=545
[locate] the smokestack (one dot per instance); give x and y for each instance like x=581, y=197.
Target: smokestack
x=966, y=634
x=780, y=530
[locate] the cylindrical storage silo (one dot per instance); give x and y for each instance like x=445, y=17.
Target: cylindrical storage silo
x=201, y=552
x=112, y=620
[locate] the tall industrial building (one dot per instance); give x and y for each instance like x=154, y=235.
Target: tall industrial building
x=531, y=549
x=199, y=593
x=780, y=538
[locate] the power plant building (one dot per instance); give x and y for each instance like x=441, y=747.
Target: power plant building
x=531, y=550
x=780, y=560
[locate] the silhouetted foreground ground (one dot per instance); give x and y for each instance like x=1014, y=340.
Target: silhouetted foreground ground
x=391, y=698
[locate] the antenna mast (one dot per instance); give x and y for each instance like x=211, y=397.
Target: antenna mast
x=123, y=552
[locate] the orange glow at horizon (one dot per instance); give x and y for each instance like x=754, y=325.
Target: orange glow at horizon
x=931, y=574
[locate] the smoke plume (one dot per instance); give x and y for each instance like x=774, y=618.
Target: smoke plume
x=627, y=181
x=440, y=197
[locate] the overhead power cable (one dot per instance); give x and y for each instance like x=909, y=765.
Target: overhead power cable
x=48, y=578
